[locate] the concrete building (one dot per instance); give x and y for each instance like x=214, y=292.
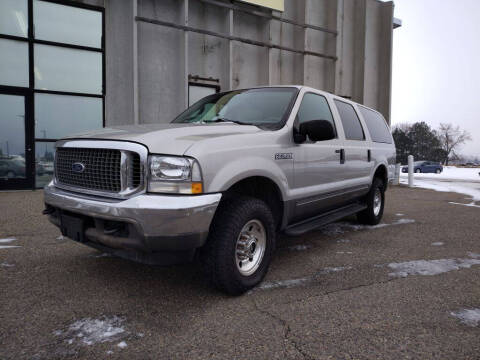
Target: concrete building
x=97, y=63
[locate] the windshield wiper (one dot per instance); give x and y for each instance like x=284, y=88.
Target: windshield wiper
x=222, y=119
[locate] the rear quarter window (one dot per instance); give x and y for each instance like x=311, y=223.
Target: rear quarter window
x=377, y=127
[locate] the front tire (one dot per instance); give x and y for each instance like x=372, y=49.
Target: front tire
x=418, y=171
x=240, y=245
x=375, y=202
x=438, y=171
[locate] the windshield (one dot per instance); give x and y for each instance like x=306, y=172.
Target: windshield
x=266, y=107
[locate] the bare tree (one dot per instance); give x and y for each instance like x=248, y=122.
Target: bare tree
x=451, y=137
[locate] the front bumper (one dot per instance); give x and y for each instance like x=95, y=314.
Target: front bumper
x=146, y=222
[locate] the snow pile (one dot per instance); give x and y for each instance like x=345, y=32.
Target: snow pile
x=92, y=331
x=450, y=173
x=470, y=317
x=430, y=267
x=7, y=241
x=470, y=189
x=122, y=344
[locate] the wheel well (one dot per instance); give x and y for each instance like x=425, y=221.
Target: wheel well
x=261, y=188
x=382, y=174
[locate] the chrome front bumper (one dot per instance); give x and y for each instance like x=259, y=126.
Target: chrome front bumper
x=158, y=222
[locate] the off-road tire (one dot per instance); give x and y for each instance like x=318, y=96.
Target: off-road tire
x=218, y=258
x=368, y=215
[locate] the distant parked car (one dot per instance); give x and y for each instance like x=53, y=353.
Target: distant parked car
x=12, y=168
x=425, y=167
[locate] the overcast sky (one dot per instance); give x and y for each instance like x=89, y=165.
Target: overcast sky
x=436, y=65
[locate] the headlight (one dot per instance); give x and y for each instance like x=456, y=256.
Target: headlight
x=171, y=174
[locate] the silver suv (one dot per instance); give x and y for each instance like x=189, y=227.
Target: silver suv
x=221, y=180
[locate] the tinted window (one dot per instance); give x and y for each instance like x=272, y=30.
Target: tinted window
x=351, y=124
x=377, y=127
x=13, y=63
x=14, y=17
x=314, y=107
x=67, y=24
x=62, y=69
x=60, y=115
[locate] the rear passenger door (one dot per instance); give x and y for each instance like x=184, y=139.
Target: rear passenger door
x=358, y=164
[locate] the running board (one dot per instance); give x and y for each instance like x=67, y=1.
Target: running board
x=313, y=223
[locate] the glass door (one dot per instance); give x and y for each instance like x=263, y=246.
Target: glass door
x=16, y=157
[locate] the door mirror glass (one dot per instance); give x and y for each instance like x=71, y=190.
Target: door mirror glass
x=315, y=130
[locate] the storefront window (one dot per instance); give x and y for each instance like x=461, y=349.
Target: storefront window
x=13, y=63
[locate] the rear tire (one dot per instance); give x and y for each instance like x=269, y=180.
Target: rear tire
x=438, y=171
x=418, y=171
x=375, y=202
x=240, y=245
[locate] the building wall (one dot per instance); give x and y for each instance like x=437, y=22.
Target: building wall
x=149, y=60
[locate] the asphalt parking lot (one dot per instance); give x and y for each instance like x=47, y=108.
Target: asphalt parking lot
x=409, y=289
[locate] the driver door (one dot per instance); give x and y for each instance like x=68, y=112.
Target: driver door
x=318, y=166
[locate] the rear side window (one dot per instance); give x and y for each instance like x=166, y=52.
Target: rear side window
x=314, y=107
x=350, y=121
x=377, y=127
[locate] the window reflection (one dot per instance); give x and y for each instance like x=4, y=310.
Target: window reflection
x=57, y=116
x=13, y=17
x=69, y=70
x=66, y=24
x=44, y=156
x=12, y=137
x=13, y=63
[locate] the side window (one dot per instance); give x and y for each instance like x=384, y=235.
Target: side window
x=314, y=107
x=350, y=121
x=377, y=127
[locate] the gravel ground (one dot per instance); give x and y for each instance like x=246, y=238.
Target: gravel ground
x=342, y=292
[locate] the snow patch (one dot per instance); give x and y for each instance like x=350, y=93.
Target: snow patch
x=290, y=283
x=472, y=204
x=101, y=255
x=430, y=267
x=438, y=243
x=399, y=214
x=344, y=241
x=92, y=331
x=299, y=247
x=8, y=246
x=344, y=252
x=341, y=227
x=473, y=255
x=122, y=345
x=4, y=264
x=7, y=240
x=470, y=317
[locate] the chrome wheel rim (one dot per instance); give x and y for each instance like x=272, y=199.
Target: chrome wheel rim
x=250, y=247
x=377, y=202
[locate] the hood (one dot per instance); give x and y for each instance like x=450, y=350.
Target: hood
x=173, y=139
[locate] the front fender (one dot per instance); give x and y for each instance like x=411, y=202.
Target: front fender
x=240, y=169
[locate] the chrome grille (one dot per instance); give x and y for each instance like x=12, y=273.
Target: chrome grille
x=101, y=172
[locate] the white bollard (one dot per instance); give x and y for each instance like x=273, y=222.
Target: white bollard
x=410, y=170
x=396, y=179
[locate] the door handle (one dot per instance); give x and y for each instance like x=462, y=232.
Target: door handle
x=342, y=155
x=369, y=155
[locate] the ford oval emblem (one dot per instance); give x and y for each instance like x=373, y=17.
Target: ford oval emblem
x=78, y=167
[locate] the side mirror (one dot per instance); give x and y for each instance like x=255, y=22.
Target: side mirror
x=316, y=130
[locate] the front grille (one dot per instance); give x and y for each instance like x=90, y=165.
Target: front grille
x=100, y=172
x=136, y=171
